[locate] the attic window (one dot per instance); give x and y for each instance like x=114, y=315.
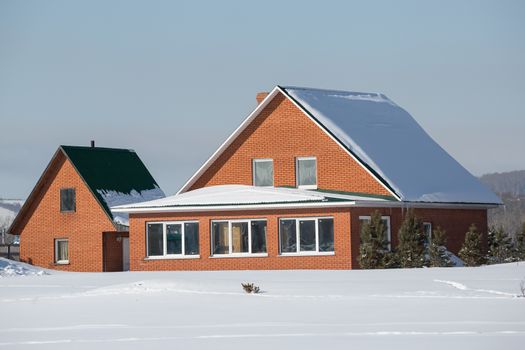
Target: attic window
x=67, y=200
x=306, y=172
x=263, y=172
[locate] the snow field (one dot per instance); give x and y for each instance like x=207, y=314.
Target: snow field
x=435, y=308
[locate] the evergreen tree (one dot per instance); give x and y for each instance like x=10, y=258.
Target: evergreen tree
x=411, y=248
x=437, y=251
x=519, y=246
x=391, y=260
x=374, y=243
x=471, y=252
x=501, y=247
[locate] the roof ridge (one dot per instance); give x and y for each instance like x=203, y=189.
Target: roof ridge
x=329, y=90
x=99, y=148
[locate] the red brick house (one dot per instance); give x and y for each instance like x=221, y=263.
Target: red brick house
x=67, y=224
x=291, y=186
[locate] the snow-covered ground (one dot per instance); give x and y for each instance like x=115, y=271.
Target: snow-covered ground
x=453, y=308
x=10, y=268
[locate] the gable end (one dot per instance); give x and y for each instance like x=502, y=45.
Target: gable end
x=250, y=119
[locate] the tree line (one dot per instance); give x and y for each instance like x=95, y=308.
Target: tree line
x=416, y=249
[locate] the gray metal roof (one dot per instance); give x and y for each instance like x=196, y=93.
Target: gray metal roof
x=390, y=143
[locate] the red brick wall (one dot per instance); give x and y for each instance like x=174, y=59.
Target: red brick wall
x=341, y=259
x=283, y=132
x=346, y=245
x=83, y=227
x=454, y=221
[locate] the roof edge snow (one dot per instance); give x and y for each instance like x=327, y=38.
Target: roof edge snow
x=244, y=197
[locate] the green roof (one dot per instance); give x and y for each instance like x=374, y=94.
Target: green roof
x=114, y=176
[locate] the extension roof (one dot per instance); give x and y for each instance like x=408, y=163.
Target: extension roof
x=244, y=198
x=114, y=177
x=240, y=197
x=386, y=140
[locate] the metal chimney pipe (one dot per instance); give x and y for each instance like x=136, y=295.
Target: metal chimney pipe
x=92, y=143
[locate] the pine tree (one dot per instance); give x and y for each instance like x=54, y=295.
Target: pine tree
x=391, y=260
x=519, y=246
x=411, y=248
x=471, y=252
x=437, y=251
x=373, y=249
x=501, y=246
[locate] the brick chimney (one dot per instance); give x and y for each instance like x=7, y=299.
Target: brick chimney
x=261, y=96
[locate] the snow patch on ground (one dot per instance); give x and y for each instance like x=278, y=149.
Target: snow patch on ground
x=456, y=261
x=461, y=286
x=10, y=268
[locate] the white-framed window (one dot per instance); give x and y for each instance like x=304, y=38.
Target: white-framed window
x=62, y=251
x=427, y=231
x=238, y=237
x=306, y=235
x=67, y=200
x=262, y=172
x=172, y=239
x=386, y=222
x=306, y=172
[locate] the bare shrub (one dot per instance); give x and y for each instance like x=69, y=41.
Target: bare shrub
x=250, y=288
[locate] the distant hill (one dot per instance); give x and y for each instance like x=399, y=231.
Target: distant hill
x=512, y=182
x=510, y=186
x=8, y=210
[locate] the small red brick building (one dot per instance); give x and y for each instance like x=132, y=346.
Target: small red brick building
x=290, y=188
x=67, y=224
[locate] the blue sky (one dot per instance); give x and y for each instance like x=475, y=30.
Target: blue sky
x=173, y=79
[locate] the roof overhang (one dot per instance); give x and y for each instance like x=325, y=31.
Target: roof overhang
x=248, y=207
x=304, y=205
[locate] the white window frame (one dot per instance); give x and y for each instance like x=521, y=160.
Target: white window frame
x=388, y=231
x=57, y=261
x=261, y=160
x=230, y=240
x=298, y=236
x=429, y=238
x=165, y=255
x=306, y=187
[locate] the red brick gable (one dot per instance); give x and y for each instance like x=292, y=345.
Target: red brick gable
x=43, y=222
x=283, y=132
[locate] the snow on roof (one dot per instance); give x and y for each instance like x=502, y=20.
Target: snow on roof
x=243, y=195
x=387, y=139
x=116, y=176
x=115, y=198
